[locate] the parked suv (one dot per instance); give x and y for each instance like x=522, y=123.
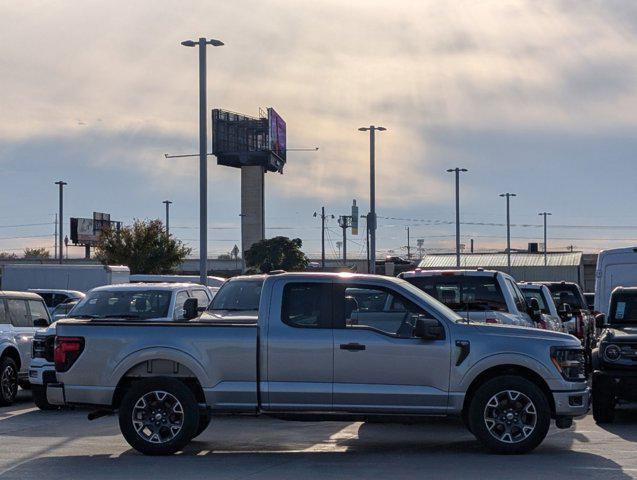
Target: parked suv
x=21, y=314
x=484, y=296
x=615, y=358
x=140, y=301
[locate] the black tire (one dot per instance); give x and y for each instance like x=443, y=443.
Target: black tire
x=527, y=405
x=39, y=398
x=24, y=384
x=143, y=400
x=603, y=406
x=8, y=381
x=204, y=421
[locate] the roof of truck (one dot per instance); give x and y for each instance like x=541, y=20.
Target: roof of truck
x=24, y=295
x=449, y=272
x=147, y=286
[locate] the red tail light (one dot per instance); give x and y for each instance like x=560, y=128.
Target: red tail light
x=67, y=350
x=492, y=320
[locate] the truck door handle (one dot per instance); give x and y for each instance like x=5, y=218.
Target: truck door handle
x=352, y=346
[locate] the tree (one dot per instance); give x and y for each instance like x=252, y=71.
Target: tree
x=143, y=246
x=7, y=256
x=278, y=253
x=36, y=253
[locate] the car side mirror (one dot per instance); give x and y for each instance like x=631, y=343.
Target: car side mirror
x=534, y=309
x=565, y=311
x=600, y=320
x=40, y=323
x=428, y=329
x=190, y=308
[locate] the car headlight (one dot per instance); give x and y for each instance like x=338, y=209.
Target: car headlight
x=570, y=362
x=612, y=352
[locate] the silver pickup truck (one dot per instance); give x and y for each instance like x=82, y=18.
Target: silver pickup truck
x=324, y=346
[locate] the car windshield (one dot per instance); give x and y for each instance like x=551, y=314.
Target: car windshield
x=133, y=304
x=567, y=293
x=530, y=293
x=463, y=292
x=238, y=295
x=623, y=308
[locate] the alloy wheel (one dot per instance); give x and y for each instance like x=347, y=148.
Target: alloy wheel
x=510, y=416
x=158, y=417
x=9, y=383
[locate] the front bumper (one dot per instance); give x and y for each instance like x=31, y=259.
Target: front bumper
x=41, y=373
x=572, y=403
x=622, y=383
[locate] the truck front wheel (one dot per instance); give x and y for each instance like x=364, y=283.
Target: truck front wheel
x=158, y=416
x=509, y=414
x=603, y=406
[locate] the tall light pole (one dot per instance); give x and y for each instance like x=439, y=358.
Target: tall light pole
x=371, y=220
x=167, y=203
x=545, y=214
x=203, y=154
x=508, y=197
x=457, y=171
x=408, y=244
x=60, y=242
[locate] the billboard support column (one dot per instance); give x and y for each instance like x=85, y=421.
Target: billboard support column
x=252, y=206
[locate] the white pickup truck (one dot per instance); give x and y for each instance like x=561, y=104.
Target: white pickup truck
x=325, y=346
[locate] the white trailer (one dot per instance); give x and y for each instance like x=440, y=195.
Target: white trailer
x=616, y=267
x=68, y=277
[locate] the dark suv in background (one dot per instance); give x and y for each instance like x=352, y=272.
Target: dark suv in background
x=615, y=359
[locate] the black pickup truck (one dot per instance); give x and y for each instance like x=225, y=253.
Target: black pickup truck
x=615, y=358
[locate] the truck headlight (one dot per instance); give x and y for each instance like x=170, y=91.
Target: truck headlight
x=612, y=353
x=570, y=362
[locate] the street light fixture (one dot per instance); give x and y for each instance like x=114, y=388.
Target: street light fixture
x=508, y=197
x=203, y=150
x=61, y=184
x=545, y=214
x=371, y=221
x=457, y=170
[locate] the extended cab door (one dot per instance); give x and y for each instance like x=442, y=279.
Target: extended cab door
x=299, y=363
x=378, y=365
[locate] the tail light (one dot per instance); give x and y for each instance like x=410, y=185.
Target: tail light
x=67, y=350
x=492, y=320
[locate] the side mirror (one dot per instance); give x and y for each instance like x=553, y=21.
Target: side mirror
x=565, y=311
x=40, y=323
x=534, y=309
x=600, y=320
x=190, y=308
x=428, y=329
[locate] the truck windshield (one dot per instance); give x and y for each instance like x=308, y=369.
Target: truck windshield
x=623, y=308
x=463, y=292
x=133, y=304
x=567, y=293
x=238, y=295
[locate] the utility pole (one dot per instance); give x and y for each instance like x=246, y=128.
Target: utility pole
x=203, y=153
x=344, y=221
x=60, y=243
x=371, y=219
x=508, y=197
x=339, y=245
x=323, y=217
x=167, y=223
x=55, y=251
x=545, y=214
x=472, y=245
x=408, y=245
x=457, y=171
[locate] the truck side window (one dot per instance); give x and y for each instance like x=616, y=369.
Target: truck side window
x=307, y=305
x=180, y=299
x=520, y=302
x=380, y=309
x=38, y=310
x=19, y=313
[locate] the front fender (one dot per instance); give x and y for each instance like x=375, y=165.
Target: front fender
x=159, y=353
x=514, y=359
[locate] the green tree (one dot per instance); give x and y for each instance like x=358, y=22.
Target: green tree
x=36, y=253
x=143, y=246
x=7, y=256
x=278, y=253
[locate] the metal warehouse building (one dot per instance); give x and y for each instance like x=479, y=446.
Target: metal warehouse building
x=525, y=267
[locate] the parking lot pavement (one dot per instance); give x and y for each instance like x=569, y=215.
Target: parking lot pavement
x=64, y=444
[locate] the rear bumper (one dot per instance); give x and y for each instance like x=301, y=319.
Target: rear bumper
x=61, y=394
x=572, y=403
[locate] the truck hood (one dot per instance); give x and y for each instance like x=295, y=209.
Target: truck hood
x=626, y=334
x=525, y=332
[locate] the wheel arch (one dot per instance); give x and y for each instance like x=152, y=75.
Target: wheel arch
x=10, y=350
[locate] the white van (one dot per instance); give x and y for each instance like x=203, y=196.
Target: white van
x=615, y=268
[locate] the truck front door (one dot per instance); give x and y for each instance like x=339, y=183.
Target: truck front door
x=299, y=363
x=378, y=365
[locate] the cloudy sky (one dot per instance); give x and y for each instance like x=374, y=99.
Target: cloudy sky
x=533, y=97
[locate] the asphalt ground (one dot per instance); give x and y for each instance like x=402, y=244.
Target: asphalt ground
x=63, y=444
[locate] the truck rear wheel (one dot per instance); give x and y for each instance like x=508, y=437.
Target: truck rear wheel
x=158, y=416
x=509, y=414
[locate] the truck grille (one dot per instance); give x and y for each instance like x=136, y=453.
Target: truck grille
x=629, y=351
